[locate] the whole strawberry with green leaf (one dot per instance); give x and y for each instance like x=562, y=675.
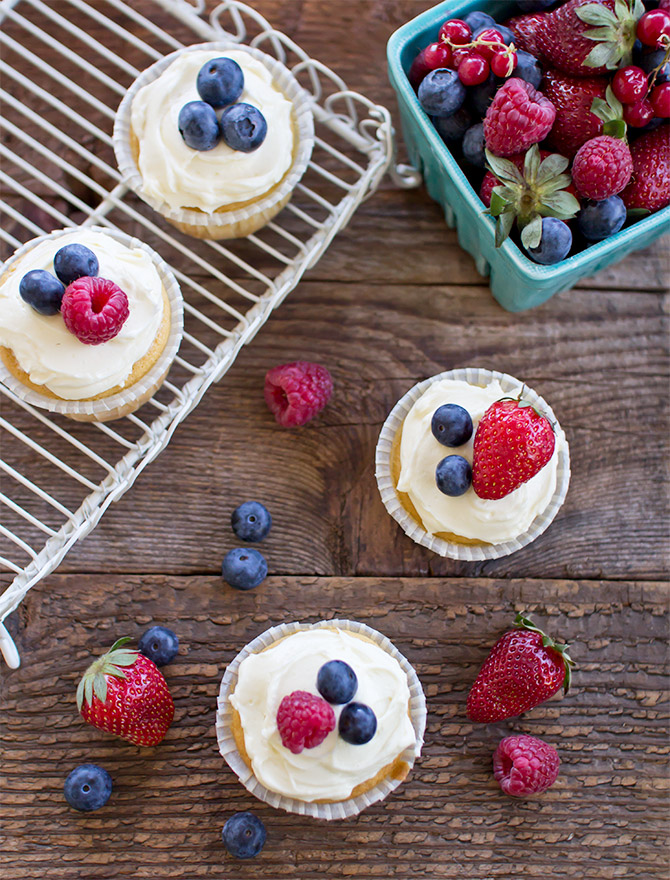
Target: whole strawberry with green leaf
x=589, y=37
x=513, y=442
x=524, y=668
x=124, y=693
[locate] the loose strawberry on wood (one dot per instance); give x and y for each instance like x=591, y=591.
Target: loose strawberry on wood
x=124, y=693
x=524, y=668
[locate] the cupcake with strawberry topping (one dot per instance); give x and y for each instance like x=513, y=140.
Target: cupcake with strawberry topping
x=90, y=321
x=321, y=719
x=472, y=464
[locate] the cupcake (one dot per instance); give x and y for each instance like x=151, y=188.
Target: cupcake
x=215, y=138
x=321, y=719
x=90, y=322
x=472, y=464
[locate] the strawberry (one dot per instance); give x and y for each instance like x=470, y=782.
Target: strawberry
x=524, y=668
x=588, y=37
x=525, y=28
x=572, y=97
x=124, y=693
x=602, y=167
x=490, y=180
x=649, y=187
x=518, y=117
x=513, y=442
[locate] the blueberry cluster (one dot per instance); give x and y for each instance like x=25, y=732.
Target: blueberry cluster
x=242, y=126
x=452, y=426
x=245, y=568
x=337, y=683
x=44, y=290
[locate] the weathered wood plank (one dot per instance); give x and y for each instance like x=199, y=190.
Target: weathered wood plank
x=604, y=818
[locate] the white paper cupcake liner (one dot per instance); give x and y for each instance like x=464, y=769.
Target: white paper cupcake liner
x=264, y=206
x=339, y=809
x=132, y=397
x=389, y=495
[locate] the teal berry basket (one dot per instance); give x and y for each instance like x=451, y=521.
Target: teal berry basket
x=516, y=281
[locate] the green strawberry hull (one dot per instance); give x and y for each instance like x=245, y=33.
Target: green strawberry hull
x=517, y=283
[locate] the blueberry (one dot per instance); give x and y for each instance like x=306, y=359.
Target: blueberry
x=477, y=20
x=251, y=521
x=88, y=787
x=452, y=128
x=42, y=290
x=244, y=568
x=75, y=261
x=528, y=68
x=244, y=127
x=220, y=82
x=451, y=425
x=649, y=61
x=453, y=475
x=473, y=145
x=336, y=682
x=357, y=724
x=481, y=96
x=441, y=92
x=159, y=644
x=505, y=32
x=244, y=835
x=599, y=220
x=526, y=6
x=199, y=126
x=555, y=243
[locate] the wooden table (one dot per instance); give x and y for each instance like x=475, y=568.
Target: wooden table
x=380, y=319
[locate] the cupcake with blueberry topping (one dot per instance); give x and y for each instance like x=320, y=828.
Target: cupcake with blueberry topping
x=90, y=321
x=321, y=719
x=215, y=138
x=472, y=464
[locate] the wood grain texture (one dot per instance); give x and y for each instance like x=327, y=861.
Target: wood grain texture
x=604, y=818
x=381, y=318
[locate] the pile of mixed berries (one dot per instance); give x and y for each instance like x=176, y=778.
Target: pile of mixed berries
x=558, y=115
x=93, y=309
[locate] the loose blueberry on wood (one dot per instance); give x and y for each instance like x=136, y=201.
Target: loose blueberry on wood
x=199, y=126
x=244, y=568
x=42, y=290
x=244, y=127
x=88, y=787
x=75, y=261
x=159, y=644
x=251, y=521
x=244, y=835
x=220, y=82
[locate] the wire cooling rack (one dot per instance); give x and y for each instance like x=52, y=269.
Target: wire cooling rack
x=57, y=169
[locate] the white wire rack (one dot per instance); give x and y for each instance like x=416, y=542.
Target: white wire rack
x=57, y=169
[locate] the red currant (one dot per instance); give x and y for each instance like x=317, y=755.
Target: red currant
x=473, y=70
x=503, y=63
x=459, y=55
x=652, y=26
x=630, y=84
x=456, y=31
x=437, y=55
x=490, y=36
x=660, y=100
x=638, y=115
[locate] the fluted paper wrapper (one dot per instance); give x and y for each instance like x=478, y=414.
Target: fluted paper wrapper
x=131, y=398
x=339, y=809
x=222, y=223
x=412, y=528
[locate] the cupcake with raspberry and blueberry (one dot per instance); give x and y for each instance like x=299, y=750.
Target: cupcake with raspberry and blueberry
x=472, y=464
x=90, y=322
x=321, y=719
x=215, y=138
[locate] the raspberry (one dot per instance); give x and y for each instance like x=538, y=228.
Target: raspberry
x=525, y=765
x=94, y=309
x=296, y=392
x=518, y=117
x=602, y=167
x=304, y=721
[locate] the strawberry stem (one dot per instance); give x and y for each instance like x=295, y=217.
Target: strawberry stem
x=522, y=622
x=94, y=680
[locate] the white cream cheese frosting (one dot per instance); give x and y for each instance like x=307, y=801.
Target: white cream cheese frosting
x=46, y=350
x=210, y=179
x=468, y=515
x=333, y=769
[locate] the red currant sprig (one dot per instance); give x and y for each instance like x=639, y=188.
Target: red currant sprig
x=475, y=58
